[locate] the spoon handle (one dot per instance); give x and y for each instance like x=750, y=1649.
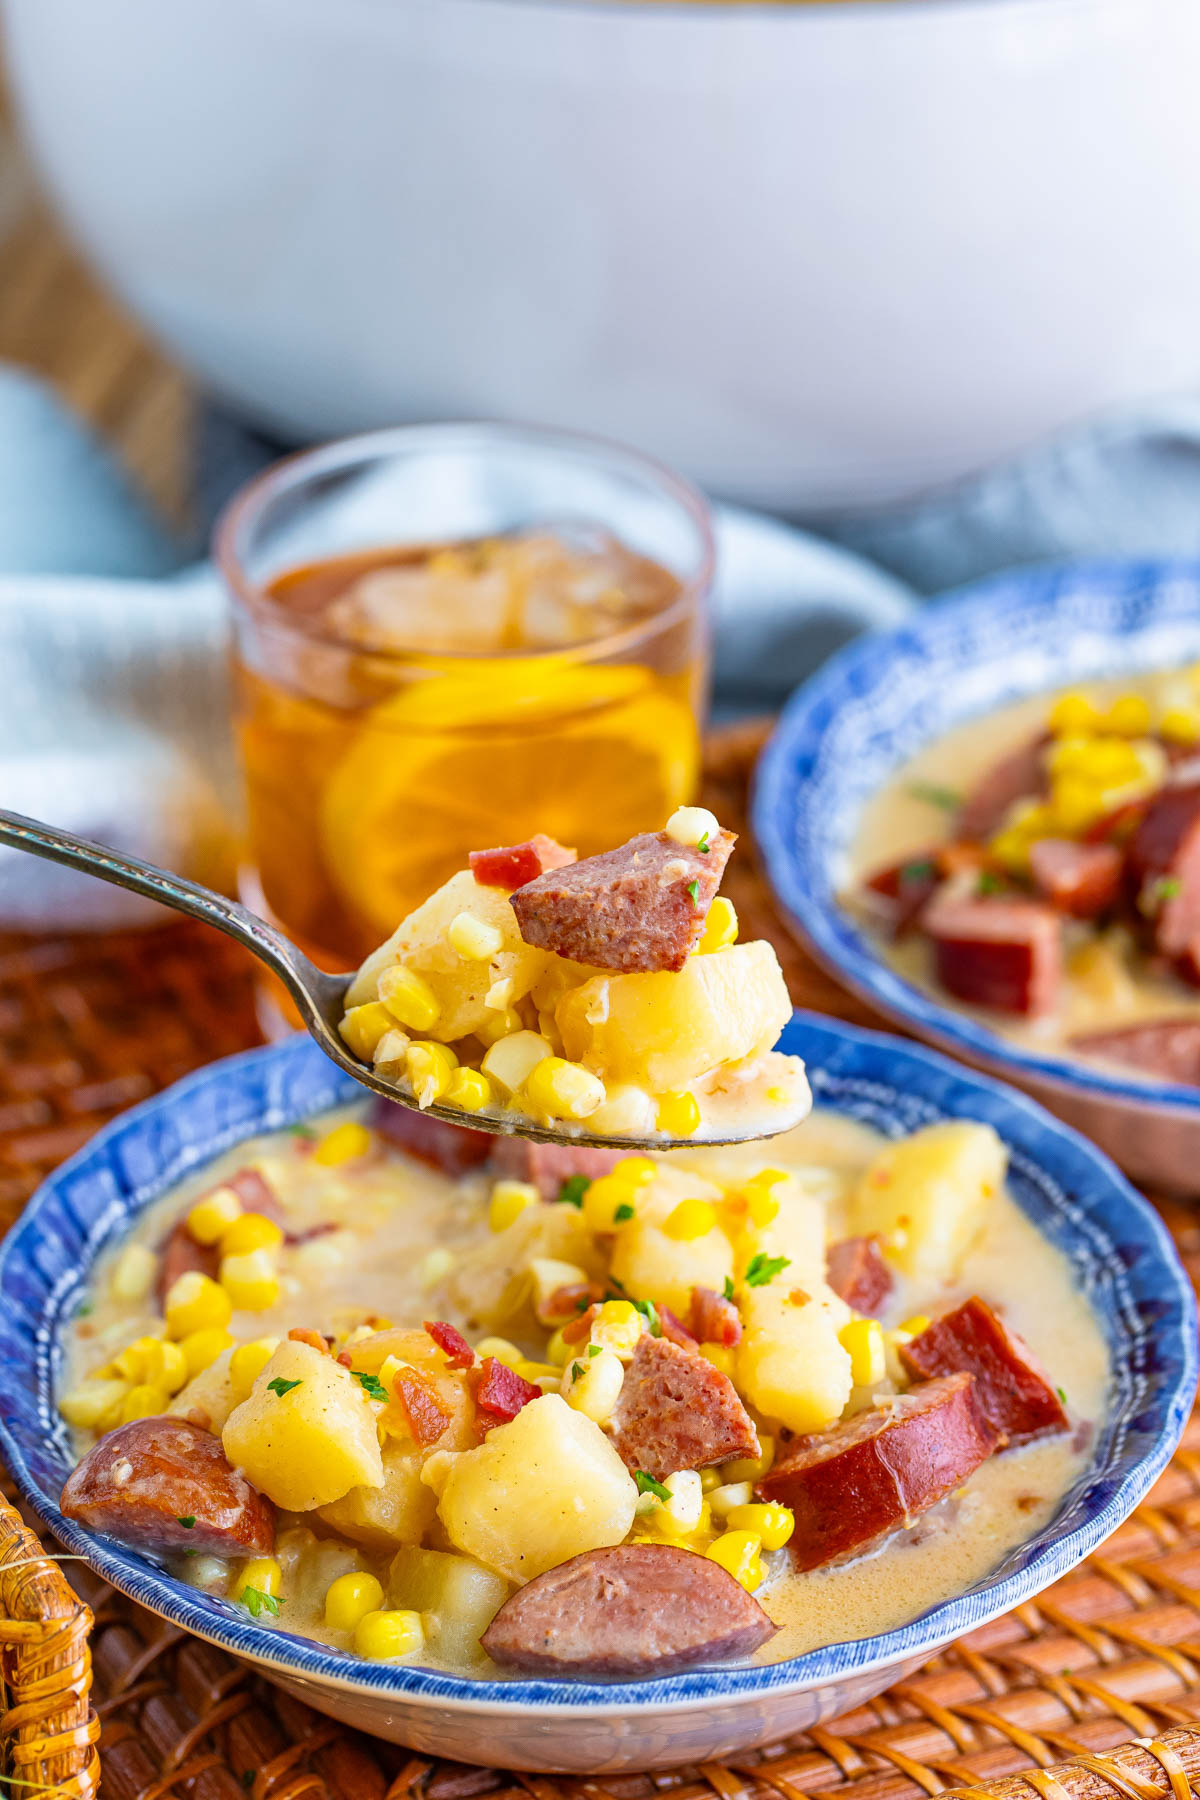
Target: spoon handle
x=122, y=870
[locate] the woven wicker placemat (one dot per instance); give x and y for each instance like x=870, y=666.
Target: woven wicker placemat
x=1112, y=1653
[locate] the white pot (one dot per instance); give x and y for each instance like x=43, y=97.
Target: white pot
x=812, y=254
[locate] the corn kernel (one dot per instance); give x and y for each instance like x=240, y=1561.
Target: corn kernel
x=1076, y=804
x=762, y=1203
x=635, y=1170
x=592, y=1385
x=916, y=1325
x=627, y=1112
x=202, y=1349
x=195, y=1302
x=364, y=1028
x=250, y=1280
x=689, y=1220
x=469, y=1091
x=558, y=1351
x=253, y=1231
x=562, y=1090
x=1180, y=724
x=430, y=1070
x=211, y=1217
x=544, y=1375
x=434, y=1267
x=678, y=1115
x=604, y=1198
x=720, y=927
x=509, y=1200
x=501, y=994
x=383, y=1636
x=164, y=1365
x=1129, y=716
x=510, y=1062
x=347, y=1142
x=739, y=1552
x=93, y=1405
x=728, y=1494
x=350, y=1598
x=143, y=1402
x=498, y=1025
x=617, y=1327
x=409, y=998
x=1073, y=712
x=709, y=1479
x=1011, y=850
x=133, y=1273
x=693, y=826
x=262, y=1573
x=548, y=1275
x=772, y=1524
x=1111, y=759
x=751, y=1468
x=472, y=938
x=130, y=1363
x=720, y=1356
x=684, y=1510
x=862, y=1339
x=247, y=1364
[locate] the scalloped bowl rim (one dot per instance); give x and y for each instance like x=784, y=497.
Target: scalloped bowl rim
x=1167, y=1401
x=782, y=803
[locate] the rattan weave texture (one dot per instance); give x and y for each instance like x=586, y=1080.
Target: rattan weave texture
x=1108, y=1660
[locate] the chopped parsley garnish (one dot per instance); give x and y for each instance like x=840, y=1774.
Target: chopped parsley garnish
x=763, y=1268
x=573, y=1189
x=84, y=1308
x=933, y=795
x=582, y=1304
x=1062, y=1395
x=693, y=888
x=247, y=1778
x=646, y=1484
x=702, y=844
x=989, y=882
x=593, y=1349
x=301, y=1131
x=371, y=1385
x=281, y=1387
x=649, y=1312
x=187, y=1520
x=620, y=1287
x=917, y=871
x=623, y=1212
x=576, y=1371
x=256, y=1602
x=1157, y=893
x=728, y=1288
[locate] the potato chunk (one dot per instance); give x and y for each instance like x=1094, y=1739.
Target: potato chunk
x=654, y=1266
x=210, y=1392
x=461, y=986
x=539, y=1490
x=456, y=1596
x=663, y=1031
x=399, y=1512
x=308, y=1446
x=927, y=1195
x=790, y=1363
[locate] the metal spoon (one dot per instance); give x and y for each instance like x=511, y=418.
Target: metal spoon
x=320, y=998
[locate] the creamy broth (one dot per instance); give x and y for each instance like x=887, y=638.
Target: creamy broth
x=1122, y=987
x=392, y=1213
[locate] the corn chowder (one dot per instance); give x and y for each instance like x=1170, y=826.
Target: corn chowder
x=1042, y=868
x=380, y=1392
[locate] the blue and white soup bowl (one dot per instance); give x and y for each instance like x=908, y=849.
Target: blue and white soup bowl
x=845, y=734
x=1121, y=1253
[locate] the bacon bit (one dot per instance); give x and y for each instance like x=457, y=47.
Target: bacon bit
x=674, y=1328
x=565, y=1302
x=501, y=1392
x=420, y=1406
x=300, y=1334
x=713, y=1319
x=345, y=1358
x=962, y=858
x=256, y=1194
x=451, y=1343
x=580, y=1327
x=509, y=867
x=798, y=1297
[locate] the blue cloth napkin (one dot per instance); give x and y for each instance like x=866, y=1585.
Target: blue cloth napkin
x=113, y=639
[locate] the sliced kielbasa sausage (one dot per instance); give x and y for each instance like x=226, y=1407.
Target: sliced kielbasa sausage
x=1082, y=880
x=856, y=1271
x=713, y=1319
x=866, y=1476
x=1168, y=1048
x=1164, y=866
x=632, y=1610
x=896, y=896
x=164, y=1484
x=639, y=908
x=676, y=1411
x=1012, y=1390
x=547, y=1166
x=179, y=1255
x=1016, y=776
x=1002, y=954
x=452, y=1149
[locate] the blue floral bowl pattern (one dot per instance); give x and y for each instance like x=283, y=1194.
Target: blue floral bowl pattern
x=1123, y=1256
x=844, y=734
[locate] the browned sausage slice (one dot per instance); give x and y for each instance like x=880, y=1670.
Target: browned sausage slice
x=676, y=1411
x=1002, y=954
x=143, y=1482
x=547, y=1166
x=896, y=896
x=866, y=1476
x=1083, y=880
x=1168, y=1048
x=179, y=1255
x=450, y=1148
x=1164, y=866
x=637, y=1609
x=1016, y=776
x=1012, y=1390
x=857, y=1272
x=639, y=908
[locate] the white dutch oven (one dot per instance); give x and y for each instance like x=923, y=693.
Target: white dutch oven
x=812, y=254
